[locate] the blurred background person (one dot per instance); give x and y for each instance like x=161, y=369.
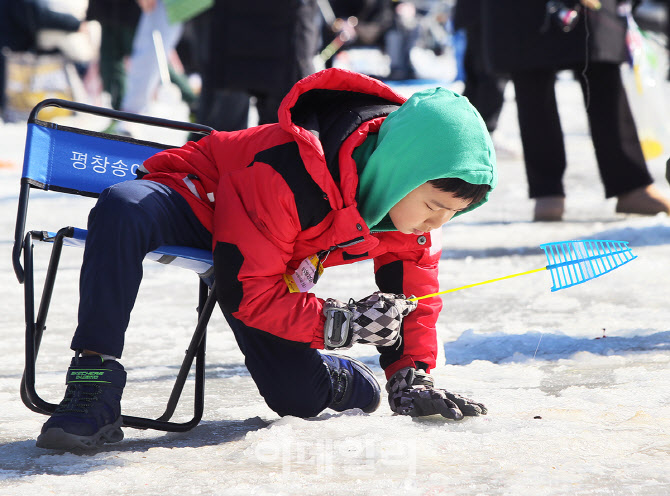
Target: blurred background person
x=400, y=39
x=20, y=24
x=667, y=32
x=255, y=48
x=654, y=16
x=369, y=19
x=484, y=88
x=82, y=47
x=118, y=19
x=159, y=30
x=531, y=40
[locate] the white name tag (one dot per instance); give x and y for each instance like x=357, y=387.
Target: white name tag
x=302, y=280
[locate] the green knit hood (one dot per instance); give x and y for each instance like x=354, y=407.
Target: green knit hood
x=435, y=134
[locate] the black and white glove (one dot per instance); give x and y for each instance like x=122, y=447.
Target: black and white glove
x=412, y=392
x=374, y=320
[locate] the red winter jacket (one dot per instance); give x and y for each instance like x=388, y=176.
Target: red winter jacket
x=276, y=194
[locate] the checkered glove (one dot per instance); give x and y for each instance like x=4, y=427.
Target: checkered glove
x=412, y=392
x=374, y=320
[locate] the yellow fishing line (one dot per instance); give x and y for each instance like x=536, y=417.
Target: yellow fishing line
x=476, y=284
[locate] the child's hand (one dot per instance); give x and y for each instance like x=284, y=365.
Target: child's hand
x=374, y=320
x=412, y=392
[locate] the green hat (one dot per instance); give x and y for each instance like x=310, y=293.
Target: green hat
x=435, y=134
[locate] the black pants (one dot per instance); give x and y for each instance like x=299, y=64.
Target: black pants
x=292, y=378
x=228, y=110
x=484, y=89
x=134, y=217
x=618, y=151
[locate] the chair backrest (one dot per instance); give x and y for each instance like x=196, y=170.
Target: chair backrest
x=81, y=162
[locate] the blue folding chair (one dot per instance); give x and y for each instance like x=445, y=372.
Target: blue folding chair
x=81, y=162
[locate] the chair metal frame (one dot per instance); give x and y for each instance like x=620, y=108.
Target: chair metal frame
x=36, y=324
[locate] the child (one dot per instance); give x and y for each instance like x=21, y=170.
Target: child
x=351, y=172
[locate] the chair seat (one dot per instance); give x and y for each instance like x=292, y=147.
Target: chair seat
x=195, y=259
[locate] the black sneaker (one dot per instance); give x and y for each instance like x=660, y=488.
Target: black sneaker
x=90, y=414
x=354, y=384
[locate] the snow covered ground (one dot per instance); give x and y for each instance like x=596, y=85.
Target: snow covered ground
x=576, y=382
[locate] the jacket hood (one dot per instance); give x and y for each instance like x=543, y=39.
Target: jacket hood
x=299, y=114
x=435, y=134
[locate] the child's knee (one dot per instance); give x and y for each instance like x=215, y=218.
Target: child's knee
x=116, y=206
x=298, y=399
x=301, y=407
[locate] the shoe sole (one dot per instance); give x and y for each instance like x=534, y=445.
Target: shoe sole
x=57, y=438
x=632, y=211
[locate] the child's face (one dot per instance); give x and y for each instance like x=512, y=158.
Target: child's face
x=424, y=209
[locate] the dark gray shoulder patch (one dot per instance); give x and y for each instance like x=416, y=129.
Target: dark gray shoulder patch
x=311, y=202
x=228, y=261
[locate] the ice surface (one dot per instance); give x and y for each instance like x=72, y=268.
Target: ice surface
x=577, y=382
